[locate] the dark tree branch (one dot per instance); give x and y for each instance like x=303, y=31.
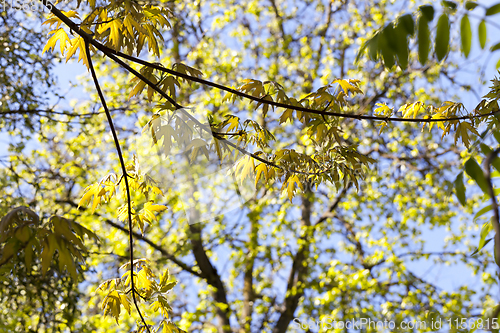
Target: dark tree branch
x=146, y=240
x=210, y=274
x=297, y=278
x=110, y=53
x=330, y=213
x=127, y=188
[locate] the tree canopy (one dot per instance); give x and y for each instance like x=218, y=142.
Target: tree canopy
x=251, y=166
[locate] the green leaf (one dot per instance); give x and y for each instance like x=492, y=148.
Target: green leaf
x=385, y=47
x=495, y=9
x=466, y=35
x=475, y=172
x=442, y=37
x=427, y=11
x=498, y=64
x=482, y=34
x=485, y=230
x=373, y=47
x=424, y=41
x=478, y=249
x=362, y=50
x=495, y=47
x=407, y=22
x=486, y=151
x=450, y=4
x=483, y=211
x=460, y=188
x=402, y=48
x=470, y=5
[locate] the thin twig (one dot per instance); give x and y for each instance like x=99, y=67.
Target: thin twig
x=124, y=171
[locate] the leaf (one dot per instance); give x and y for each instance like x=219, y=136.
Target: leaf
x=482, y=34
x=19, y=215
x=387, y=37
x=495, y=9
x=486, y=151
x=463, y=130
x=184, y=69
x=164, y=278
x=407, y=22
x=115, y=35
x=460, y=188
x=424, y=41
x=483, y=211
x=485, y=243
x=49, y=247
x=485, y=230
x=111, y=305
x=8, y=251
x=442, y=37
x=373, y=47
x=427, y=12
x=28, y=254
x=347, y=86
x=470, y=5
x=401, y=35
x=291, y=185
x=93, y=193
x=466, y=35
x=78, y=44
x=475, y=172
x=168, y=286
x=58, y=35
x=286, y=115
x=495, y=47
x=259, y=170
x=449, y=4
x=246, y=165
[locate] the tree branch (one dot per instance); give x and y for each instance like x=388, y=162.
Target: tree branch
x=108, y=51
x=127, y=188
x=297, y=278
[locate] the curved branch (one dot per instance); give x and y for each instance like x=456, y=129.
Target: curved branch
x=288, y=106
x=124, y=171
x=106, y=50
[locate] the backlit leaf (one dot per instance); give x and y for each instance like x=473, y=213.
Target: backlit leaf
x=466, y=35
x=442, y=37
x=424, y=41
x=482, y=33
x=495, y=9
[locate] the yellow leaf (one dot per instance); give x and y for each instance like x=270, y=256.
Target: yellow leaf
x=153, y=207
x=261, y=169
x=285, y=116
x=246, y=165
x=115, y=35
x=290, y=186
x=164, y=278
x=58, y=35
x=383, y=110
x=349, y=86
x=78, y=44
x=233, y=122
